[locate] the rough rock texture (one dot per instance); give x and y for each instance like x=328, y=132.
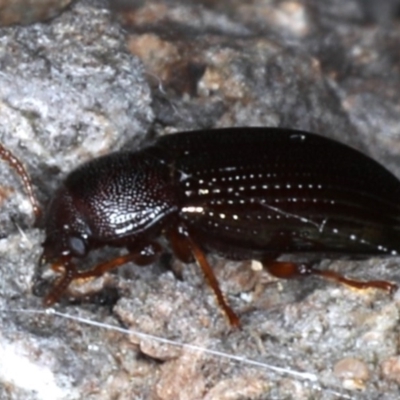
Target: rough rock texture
x=28, y=11
x=69, y=90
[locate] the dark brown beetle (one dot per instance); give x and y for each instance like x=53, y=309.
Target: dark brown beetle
x=245, y=193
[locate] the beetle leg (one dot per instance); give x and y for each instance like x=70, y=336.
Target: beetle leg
x=336, y=277
x=69, y=274
x=288, y=270
x=213, y=282
x=180, y=249
x=106, y=266
x=185, y=245
x=180, y=246
x=144, y=254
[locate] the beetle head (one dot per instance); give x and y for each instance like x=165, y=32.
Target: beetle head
x=67, y=233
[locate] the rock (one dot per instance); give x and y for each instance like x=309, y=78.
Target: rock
x=69, y=91
x=27, y=12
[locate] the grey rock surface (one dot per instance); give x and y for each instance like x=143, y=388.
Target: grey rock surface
x=26, y=12
x=70, y=90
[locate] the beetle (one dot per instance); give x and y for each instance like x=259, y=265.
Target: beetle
x=245, y=193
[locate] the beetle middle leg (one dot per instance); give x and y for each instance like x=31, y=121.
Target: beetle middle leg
x=288, y=270
x=185, y=248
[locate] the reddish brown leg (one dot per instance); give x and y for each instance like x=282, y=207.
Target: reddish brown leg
x=180, y=246
x=145, y=254
x=185, y=244
x=288, y=270
x=334, y=276
x=180, y=249
x=69, y=273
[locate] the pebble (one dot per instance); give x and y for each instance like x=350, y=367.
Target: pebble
x=353, y=373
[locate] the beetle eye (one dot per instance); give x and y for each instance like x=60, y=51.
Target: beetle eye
x=77, y=246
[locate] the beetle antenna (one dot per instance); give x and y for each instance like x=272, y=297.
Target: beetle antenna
x=19, y=168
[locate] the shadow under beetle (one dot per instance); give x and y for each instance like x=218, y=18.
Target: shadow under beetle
x=245, y=193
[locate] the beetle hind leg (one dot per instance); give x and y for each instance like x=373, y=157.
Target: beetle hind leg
x=289, y=270
x=373, y=284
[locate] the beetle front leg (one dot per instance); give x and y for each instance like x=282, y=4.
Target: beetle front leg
x=140, y=253
x=68, y=270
